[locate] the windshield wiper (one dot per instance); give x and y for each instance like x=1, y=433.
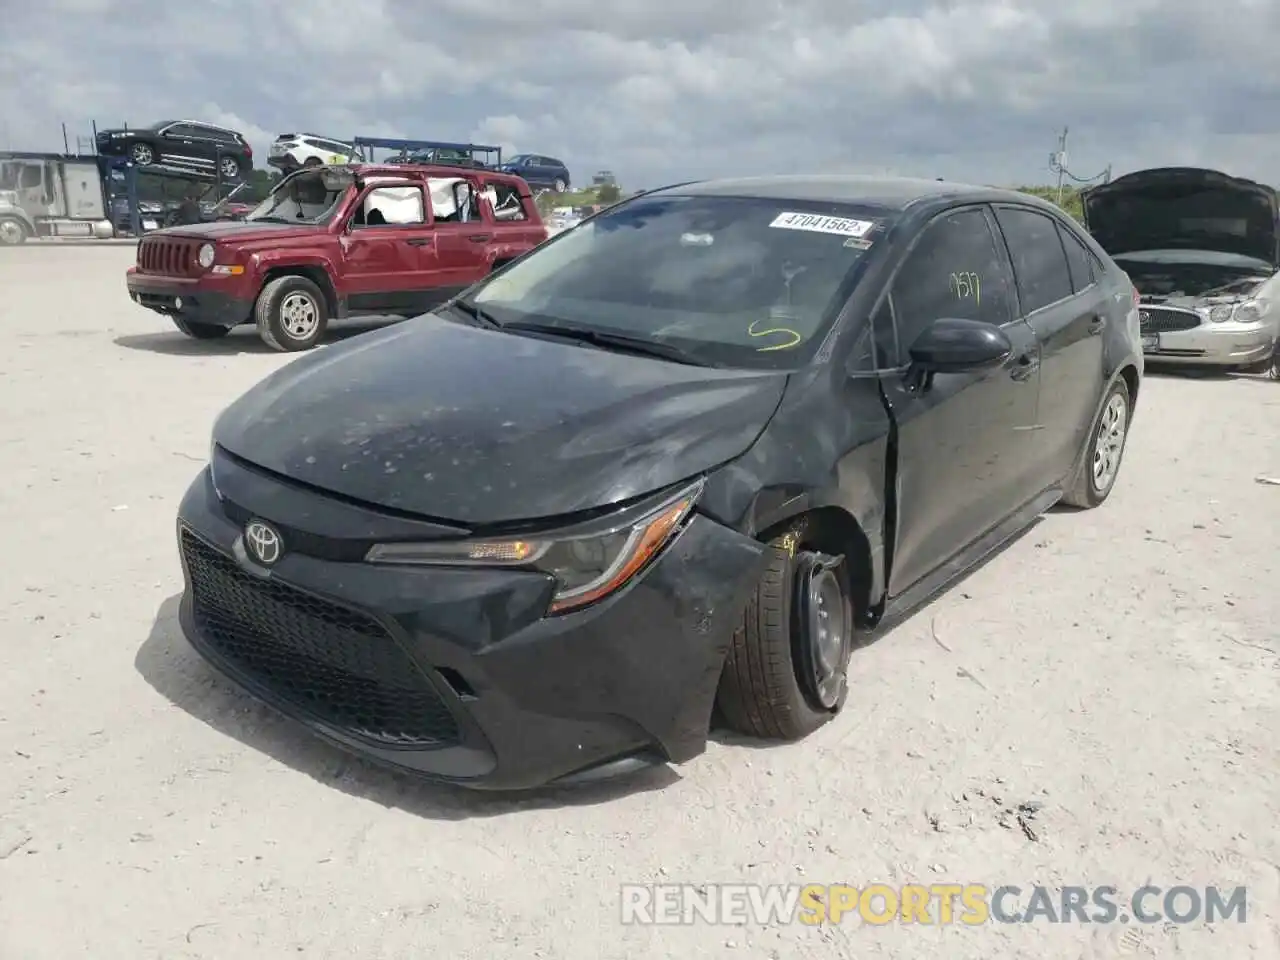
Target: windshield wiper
x=267, y=218
x=481, y=316
x=610, y=340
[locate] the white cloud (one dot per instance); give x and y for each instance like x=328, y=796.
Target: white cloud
x=669, y=89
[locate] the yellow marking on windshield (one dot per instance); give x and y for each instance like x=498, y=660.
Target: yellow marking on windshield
x=795, y=340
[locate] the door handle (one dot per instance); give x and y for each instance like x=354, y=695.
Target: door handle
x=1025, y=366
x=418, y=241
x=479, y=237
x=1097, y=325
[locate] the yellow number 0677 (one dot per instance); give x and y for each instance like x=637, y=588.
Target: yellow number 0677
x=967, y=285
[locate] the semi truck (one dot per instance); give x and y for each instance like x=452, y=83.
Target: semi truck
x=52, y=195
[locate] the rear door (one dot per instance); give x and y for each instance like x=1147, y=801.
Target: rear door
x=965, y=443
x=179, y=142
x=1063, y=303
x=464, y=239
x=389, y=260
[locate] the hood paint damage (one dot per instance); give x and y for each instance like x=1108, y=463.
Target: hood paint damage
x=481, y=427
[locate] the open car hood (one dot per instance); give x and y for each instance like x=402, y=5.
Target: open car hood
x=1184, y=208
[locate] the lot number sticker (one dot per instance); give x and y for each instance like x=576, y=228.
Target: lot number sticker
x=816, y=223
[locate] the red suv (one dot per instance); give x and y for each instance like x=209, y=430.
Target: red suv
x=338, y=241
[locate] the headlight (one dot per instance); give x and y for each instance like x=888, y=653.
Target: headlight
x=588, y=563
x=206, y=255
x=1221, y=313
x=1248, y=312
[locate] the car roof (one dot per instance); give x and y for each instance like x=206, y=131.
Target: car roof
x=889, y=193
x=442, y=169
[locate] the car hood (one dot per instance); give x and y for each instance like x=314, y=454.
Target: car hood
x=229, y=231
x=481, y=427
x=1184, y=208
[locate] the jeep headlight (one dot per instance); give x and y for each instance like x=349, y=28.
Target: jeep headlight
x=206, y=255
x=588, y=562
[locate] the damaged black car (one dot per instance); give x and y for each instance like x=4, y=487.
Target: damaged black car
x=668, y=466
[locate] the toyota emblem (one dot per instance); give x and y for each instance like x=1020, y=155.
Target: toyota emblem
x=262, y=542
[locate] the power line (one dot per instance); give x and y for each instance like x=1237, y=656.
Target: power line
x=1058, y=164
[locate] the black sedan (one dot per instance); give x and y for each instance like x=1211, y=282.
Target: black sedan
x=668, y=465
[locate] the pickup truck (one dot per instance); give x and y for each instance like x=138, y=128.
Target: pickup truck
x=337, y=241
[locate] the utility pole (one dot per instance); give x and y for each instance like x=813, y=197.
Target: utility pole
x=1060, y=161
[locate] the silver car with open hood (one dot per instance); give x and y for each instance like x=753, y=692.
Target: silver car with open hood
x=1203, y=250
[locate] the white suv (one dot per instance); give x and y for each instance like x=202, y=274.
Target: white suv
x=293, y=150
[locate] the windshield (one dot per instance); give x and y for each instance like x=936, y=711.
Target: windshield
x=159, y=126
x=309, y=197
x=730, y=281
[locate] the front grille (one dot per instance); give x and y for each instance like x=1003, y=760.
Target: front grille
x=1166, y=319
x=339, y=665
x=168, y=257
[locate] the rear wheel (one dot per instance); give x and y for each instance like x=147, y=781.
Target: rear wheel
x=229, y=167
x=1100, y=465
x=142, y=154
x=291, y=314
x=12, y=232
x=559, y=186
x=312, y=162
x=786, y=673
x=200, y=331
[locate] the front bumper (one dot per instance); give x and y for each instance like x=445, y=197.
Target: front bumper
x=455, y=674
x=1216, y=344
x=187, y=298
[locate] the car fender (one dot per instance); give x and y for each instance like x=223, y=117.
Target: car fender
x=315, y=265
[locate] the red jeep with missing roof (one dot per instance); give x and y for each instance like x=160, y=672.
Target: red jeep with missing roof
x=337, y=241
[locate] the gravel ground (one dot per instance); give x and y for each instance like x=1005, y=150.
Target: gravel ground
x=1118, y=667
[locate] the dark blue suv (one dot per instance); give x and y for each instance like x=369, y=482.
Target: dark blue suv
x=539, y=171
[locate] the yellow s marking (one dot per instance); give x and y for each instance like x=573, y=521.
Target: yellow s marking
x=795, y=340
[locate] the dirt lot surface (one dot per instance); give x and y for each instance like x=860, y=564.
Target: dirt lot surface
x=1118, y=667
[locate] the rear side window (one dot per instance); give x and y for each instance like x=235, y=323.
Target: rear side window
x=1079, y=259
x=1039, y=261
x=954, y=271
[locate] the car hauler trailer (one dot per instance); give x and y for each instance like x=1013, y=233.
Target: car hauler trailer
x=52, y=195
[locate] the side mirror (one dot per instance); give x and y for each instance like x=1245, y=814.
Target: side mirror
x=953, y=345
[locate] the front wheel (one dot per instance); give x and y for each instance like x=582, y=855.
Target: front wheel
x=786, y=673
x=12, y=232
x=200, y=331
x=142, y=154
x=229, y=167
x=1098, y=468
x=559, y=186
x=291, y=314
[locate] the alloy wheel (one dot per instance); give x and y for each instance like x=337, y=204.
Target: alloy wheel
x=1109, y=444
x=299, y=315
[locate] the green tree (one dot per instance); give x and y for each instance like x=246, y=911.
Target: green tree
x=609, y=193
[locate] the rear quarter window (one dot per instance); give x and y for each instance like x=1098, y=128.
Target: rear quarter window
x=1040, y=266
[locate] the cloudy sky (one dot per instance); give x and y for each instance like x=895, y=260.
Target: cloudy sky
x=667, y=90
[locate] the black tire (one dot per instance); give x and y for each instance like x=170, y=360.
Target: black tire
x=559, y=186
x=761, y=692
x=278, y=326
x=1084, y=491
x=228, y=167
x=313, y=162
x=200, y=331
x=13, y=232
x=143, y=154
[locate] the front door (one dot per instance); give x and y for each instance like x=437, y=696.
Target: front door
x=389, y=260
x=1068, y=311
x=965, y=440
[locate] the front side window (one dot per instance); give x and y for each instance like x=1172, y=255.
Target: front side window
x=1039, y=262
x=732, y=281
x=390, y=207
x=955, y=270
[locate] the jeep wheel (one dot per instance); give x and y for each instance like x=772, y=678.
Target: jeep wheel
x=229, y=167
x=786, y=672
x=291, y=314
x=12, y=232
x=142, y=154
x=200, y=331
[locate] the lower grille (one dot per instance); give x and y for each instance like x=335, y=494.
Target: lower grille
x=339, y=665
x=1166, y=319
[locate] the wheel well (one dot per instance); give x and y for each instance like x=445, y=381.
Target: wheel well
x=316, y=275
x=1130, y=374
x=832, y=530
